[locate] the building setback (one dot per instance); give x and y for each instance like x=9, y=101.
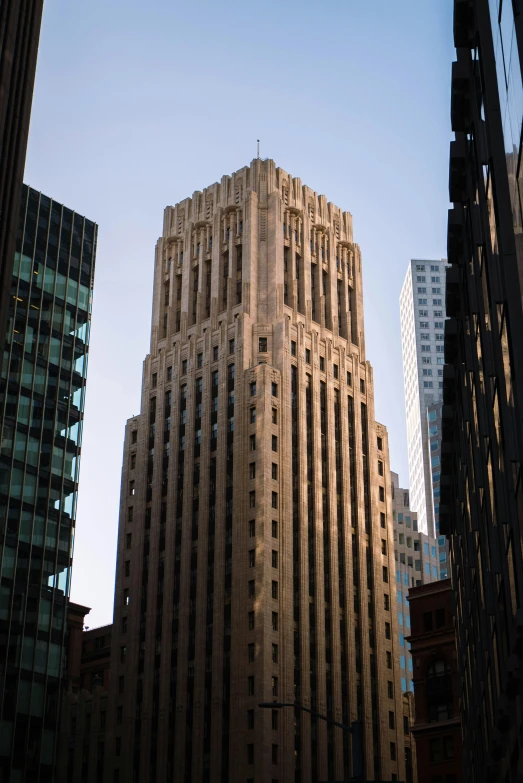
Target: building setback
x=42, y=392
x=416, y=559
x=20, y=32
x=255, y=548
x=482, y=452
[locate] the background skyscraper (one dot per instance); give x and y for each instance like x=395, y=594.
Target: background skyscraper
x=422, y=312
x=42, y=392
x=482, y=452
x=255, y=549
x=20, y=31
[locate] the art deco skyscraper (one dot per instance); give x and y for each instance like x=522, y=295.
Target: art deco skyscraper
x=255, y=549
x=42, y=392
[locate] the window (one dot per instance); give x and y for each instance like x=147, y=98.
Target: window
x=275, y=528
x=275, y=443
x=293, y=348
x=121, y=683
x=130, y=513
x=262, y=345
x=422, y=301
x=391, y=720
x=252, y=528
x=123, y=653
x=385, y=572
x=250, y=719
x=322, y=363
x=252, y=558
x=382, y=519
x=349, y=379
x=380, y=444
x=382, y=494
x=307, y=355
x=274, y=558
x=215, y=353
x=362, y=386
x=252, y=498
x=383, y=546
x=231, y=345
x=422, y=289
x=127, y=568
x=275, y=500
x=128, y=540
x=252, y=442
x=275, y=621
x=335, y=370
x=274, y=720
x=386, y=602
x=380, y=468
x=435, y=750
x=250, y=753
x=126, y=597
x=393, y=751
x=252, y=470
x=251, y=620
x=388, y=656
x=405, y=725
x=184, y=367
x=133, y=461
x=425, y=336
x=251, y=588
x=439, y=691
x=134, y=436
x=274, y=755
x=425, y=349
x=274, y=589
x=436, y=290
x=275, y=416
x=132, y=489
x=274, y=471
x=275, y=653
x=154, y=380
x=424, y=324
x=119, y=715
x=390, y=689
x=387, y=630
x=250, y=685
x=437, y=302
x=253, y=389
x=250, y=652
x=274, y=389
x=274, y=683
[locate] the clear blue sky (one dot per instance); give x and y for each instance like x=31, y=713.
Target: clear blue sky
x=137, y=104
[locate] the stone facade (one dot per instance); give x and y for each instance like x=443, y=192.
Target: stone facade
x=255, y=549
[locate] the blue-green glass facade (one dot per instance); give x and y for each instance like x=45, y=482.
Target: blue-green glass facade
x=42, y=394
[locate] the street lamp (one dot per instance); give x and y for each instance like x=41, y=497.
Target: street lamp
x=356, y=729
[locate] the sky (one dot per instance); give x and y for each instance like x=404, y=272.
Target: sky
x=137, y=105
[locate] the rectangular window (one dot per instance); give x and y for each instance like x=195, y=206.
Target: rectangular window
x=390, y=689
x=275, y=621
x=127, y=568
x=253, y=389
x=274, y=589
x=231, y=346
x=169, y=373
x=130, y=512
x=387, y=630
x=275, y=416
x=250, y=685
x=251, y=588
x=307, y=356
x=274, y=720
x=184, y=367
x=275, y=528
x=382, y=519
x=250, y=720
x=250, y=652
x=380, y=444
x=274, y=389
x=252, y=442
x=275, y=500
x=252, y=499
x=293, y=348
x=215, y=353
x=393, y=751
x=252, y=558
x=128, y=540
x=262, y=345
x=383, y=546
x=335, y=370
x=274, y=683
x=275, y=443
x=385, y=572
x=274, y=755
x=199, y=360
x=132, y=489
x=322, y=364
x=275, y=653
x=382, y=494
x=251, y=621
x=274, y=471
x=252, y=528
x=274, y=558
x=252, y=415
x=391, y=720
x=252, y=470
x=386, y=602
x=388, y=656
x=126, y=597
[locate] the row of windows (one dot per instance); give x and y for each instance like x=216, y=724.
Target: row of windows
x=421, y=268
x=423, y=279
x=435, y=302
x=436, y=314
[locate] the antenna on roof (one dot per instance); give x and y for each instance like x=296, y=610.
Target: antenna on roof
x=258, y=148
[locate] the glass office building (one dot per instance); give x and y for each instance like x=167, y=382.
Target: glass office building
x=42, y=393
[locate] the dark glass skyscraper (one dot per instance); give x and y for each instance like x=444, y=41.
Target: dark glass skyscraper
x=19, y=35
x=42, y=392
x=482, y=450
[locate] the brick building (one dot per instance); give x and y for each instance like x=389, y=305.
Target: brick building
x=437, y=726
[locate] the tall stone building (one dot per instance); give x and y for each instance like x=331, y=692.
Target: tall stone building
x=255, y=549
